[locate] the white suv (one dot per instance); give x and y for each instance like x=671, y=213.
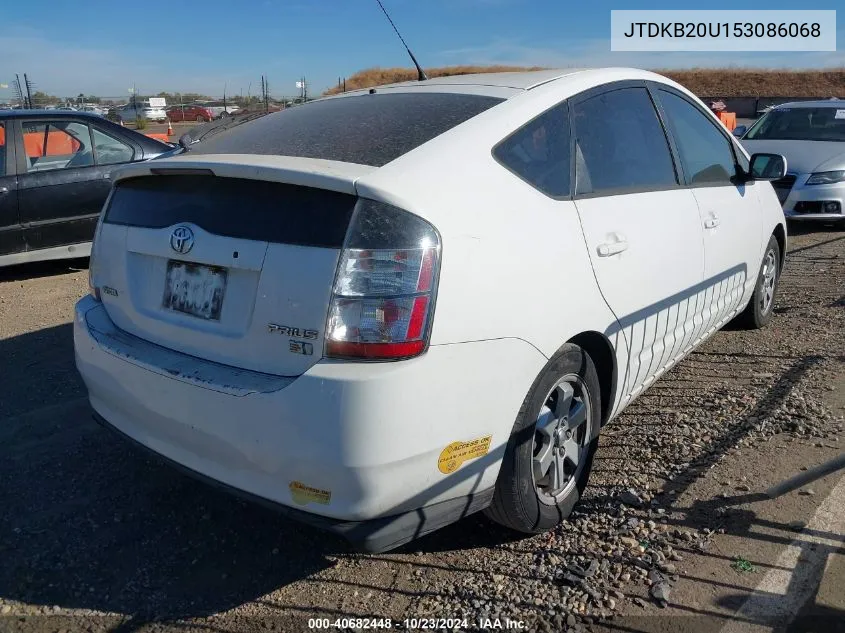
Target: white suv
x=389, y=309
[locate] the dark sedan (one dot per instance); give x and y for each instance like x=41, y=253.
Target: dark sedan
x=55, y=174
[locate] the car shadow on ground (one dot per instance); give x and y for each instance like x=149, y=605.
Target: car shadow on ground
x=93, y=522
x=806, y=228
x=20, y=272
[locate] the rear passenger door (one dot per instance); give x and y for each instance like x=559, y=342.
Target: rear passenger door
x=11, y=235
x=729, y=209
x=641, y=226
x=61, y=189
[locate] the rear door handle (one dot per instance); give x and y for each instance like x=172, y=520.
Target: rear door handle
x=612, y=248
x=712, y=222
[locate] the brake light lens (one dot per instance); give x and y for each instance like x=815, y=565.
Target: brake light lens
x=383, y=297
x=92, y=287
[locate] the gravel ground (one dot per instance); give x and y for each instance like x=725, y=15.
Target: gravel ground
x=96, y=536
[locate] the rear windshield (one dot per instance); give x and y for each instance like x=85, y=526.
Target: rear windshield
x=233, y=207
x=367, y=129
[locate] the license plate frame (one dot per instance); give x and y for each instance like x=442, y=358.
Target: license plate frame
x=203, y=288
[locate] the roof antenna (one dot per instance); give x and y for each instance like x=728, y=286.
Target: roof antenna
x=421, y=76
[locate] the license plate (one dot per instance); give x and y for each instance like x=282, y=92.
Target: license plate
x=195, y=289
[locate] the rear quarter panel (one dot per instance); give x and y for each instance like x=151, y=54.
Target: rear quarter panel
x=515, y=263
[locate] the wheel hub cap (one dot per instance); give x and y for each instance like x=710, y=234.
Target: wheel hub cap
x=769, y=279
x=561, y=439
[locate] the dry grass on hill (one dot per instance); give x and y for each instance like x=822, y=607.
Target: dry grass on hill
x=709, y=82
x=381, y=76
x=747, y=82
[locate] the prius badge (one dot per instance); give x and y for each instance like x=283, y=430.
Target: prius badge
x=297, y=347
x=182, y=239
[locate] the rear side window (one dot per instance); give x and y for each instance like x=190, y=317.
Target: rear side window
x=367, y=129
x=110, y=151
x=539, y=152
x=57, y=145
x=706, y=154
x=621, y=144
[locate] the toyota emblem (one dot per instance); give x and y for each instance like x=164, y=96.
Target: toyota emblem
x=182, y=239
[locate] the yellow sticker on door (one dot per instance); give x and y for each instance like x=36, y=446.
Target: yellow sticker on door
x=453, y=456
x=303, y=495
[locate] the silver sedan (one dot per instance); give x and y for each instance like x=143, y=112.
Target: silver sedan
x=811, y=135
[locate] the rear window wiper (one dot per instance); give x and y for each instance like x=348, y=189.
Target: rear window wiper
x=185, y=141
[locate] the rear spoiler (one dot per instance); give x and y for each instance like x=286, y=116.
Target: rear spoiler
x=306, y=172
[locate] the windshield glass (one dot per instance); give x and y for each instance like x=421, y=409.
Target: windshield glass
x=805, y=124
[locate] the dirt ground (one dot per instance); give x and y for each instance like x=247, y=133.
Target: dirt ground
x=97, y=536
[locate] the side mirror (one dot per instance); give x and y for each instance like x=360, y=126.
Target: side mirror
x=739, y=130
x=767, y=167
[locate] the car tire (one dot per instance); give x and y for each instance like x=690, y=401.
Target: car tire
x=760, y=309
x=200, y=119
x=530, y=497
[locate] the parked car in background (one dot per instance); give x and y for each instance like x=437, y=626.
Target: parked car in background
x=227, y=110
x=219, y=110
x=55, y=174
x=811, y=135
x=132, y=112
x=447, y=317
x=189, y=113
x=92, y=109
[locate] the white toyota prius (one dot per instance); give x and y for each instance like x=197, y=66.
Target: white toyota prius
x=385, y=310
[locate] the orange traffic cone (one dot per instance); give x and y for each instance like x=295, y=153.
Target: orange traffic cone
x=169, y=128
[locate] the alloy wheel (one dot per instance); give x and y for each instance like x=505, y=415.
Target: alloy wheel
x=770, y=273
x=561, y=439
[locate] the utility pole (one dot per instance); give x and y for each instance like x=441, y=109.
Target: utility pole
x=266, y=93
x=28, y=90
x=19, y=92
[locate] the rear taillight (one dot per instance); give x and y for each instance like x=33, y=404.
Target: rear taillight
x=92, y=259
x=384, y=289
x=92, y=287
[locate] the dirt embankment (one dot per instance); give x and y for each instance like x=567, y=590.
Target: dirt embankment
x=724, y=82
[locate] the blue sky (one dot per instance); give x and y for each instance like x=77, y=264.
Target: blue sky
x=192, y=45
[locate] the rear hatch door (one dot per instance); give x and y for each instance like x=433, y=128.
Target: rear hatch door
x=228, y=261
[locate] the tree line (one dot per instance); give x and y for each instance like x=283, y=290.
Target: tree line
x=41, y=98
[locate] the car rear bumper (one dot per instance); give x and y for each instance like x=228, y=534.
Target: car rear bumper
x=373, y=535
x=355, y=446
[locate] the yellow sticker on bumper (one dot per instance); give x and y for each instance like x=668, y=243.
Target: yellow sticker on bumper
x=454, y=455
x=303, y=494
